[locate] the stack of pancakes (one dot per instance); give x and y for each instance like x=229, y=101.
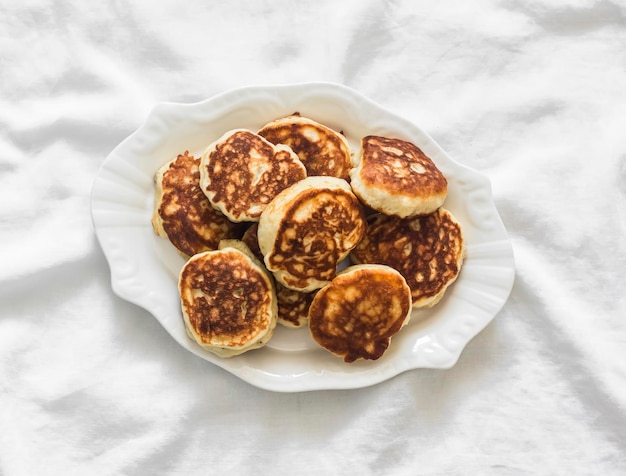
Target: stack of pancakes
x=265, y=221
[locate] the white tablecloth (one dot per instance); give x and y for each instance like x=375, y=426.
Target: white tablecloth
x=532, y=94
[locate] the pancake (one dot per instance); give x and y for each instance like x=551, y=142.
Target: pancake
x=251, y=239
x=228, y=301
x=322, y=150
x=182, y=213
x=308, y=229
x=395, y=177
x=358, y=313
x=427, y=250
x=241, y=172
x=293, y=306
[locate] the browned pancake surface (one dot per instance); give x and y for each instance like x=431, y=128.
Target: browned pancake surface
x=356, y=315
x=400, y=168
x=316, y=231
x=293, y=306
x=251, y=239
x=426, y=250
x=188, y=219
x=246, y=172
x=319, y=148
x=226, y=300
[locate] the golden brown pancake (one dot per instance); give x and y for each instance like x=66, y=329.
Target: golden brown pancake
x=228, y=301
x=251, y=239
x=427, y=250
x=293, y=306
x=241, y=173
x=395, y=177
x=356, y=315
x=182, y=213
x=308, y=229
x=322, y=150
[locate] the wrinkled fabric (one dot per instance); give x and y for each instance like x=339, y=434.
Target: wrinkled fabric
x=531, y=94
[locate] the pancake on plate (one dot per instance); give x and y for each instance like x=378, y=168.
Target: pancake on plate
x=308, y=229
x=293, y=306
x=182, y=213
x=395, y=177
x=322, y=150
x=251, y=238
x=358, y=313
x=228, y=300
x=241, y=172
x=427, y=250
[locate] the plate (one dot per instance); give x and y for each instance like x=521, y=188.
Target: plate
x=144, y=267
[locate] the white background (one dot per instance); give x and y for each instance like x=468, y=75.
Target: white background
x=531, y=94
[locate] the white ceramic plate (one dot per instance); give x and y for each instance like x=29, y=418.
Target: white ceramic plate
x=144, y=267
